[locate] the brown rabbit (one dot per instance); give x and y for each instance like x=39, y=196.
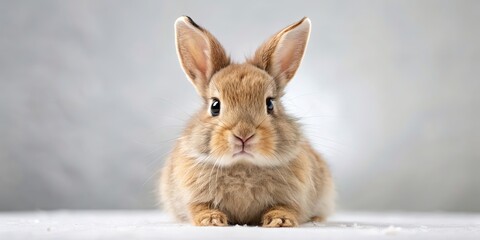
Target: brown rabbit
x=242, y=159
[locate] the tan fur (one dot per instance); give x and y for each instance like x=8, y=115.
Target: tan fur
x=283, y=182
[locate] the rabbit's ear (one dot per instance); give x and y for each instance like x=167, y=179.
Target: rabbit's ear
x=281, y=55
x=200, y=54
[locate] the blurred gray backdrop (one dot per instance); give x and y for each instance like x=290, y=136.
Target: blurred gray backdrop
x=92, y=97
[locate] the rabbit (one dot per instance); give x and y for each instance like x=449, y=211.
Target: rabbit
x=242, y=159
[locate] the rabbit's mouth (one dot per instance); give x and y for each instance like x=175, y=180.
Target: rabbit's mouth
x=242, y=153
x=243, y=148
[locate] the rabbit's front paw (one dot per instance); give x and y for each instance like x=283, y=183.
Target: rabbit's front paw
x=279, y=218
x=211, y=218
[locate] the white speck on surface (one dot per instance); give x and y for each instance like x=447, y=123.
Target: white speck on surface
x=424, y=228
x=392, y=230
x=317, y=224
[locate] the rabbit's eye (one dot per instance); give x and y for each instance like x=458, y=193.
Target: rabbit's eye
x=215, y=107
x=269, y=105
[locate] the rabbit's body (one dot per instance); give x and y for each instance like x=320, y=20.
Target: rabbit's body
x=245, y=162
x=244, y=191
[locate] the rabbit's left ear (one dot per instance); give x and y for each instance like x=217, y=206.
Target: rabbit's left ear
x=199, y=52
x=281, y=55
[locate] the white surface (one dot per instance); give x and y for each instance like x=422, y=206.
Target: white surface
x=155, y=225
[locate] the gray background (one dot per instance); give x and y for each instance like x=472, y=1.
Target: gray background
x=92, y=97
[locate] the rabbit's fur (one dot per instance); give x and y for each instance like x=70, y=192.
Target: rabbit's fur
x=248, y=165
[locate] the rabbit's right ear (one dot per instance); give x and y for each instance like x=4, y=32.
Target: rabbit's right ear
x=282, y=54
x=200, y=54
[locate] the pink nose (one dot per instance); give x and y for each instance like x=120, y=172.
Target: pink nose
x=244, y=140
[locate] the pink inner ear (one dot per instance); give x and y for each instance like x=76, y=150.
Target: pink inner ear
x=194, y=48
x=198, y=48
x=286, y=57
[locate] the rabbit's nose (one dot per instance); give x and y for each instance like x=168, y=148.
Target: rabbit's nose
x=243, y=131
x=244, y=140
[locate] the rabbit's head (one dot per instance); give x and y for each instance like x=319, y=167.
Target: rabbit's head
x=242, y=118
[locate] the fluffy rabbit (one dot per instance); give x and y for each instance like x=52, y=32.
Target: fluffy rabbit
x=241, y=158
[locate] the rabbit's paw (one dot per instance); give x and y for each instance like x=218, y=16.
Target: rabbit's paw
x=279, y=218
x=211, y=218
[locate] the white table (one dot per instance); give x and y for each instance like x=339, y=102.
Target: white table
x=156, y=225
